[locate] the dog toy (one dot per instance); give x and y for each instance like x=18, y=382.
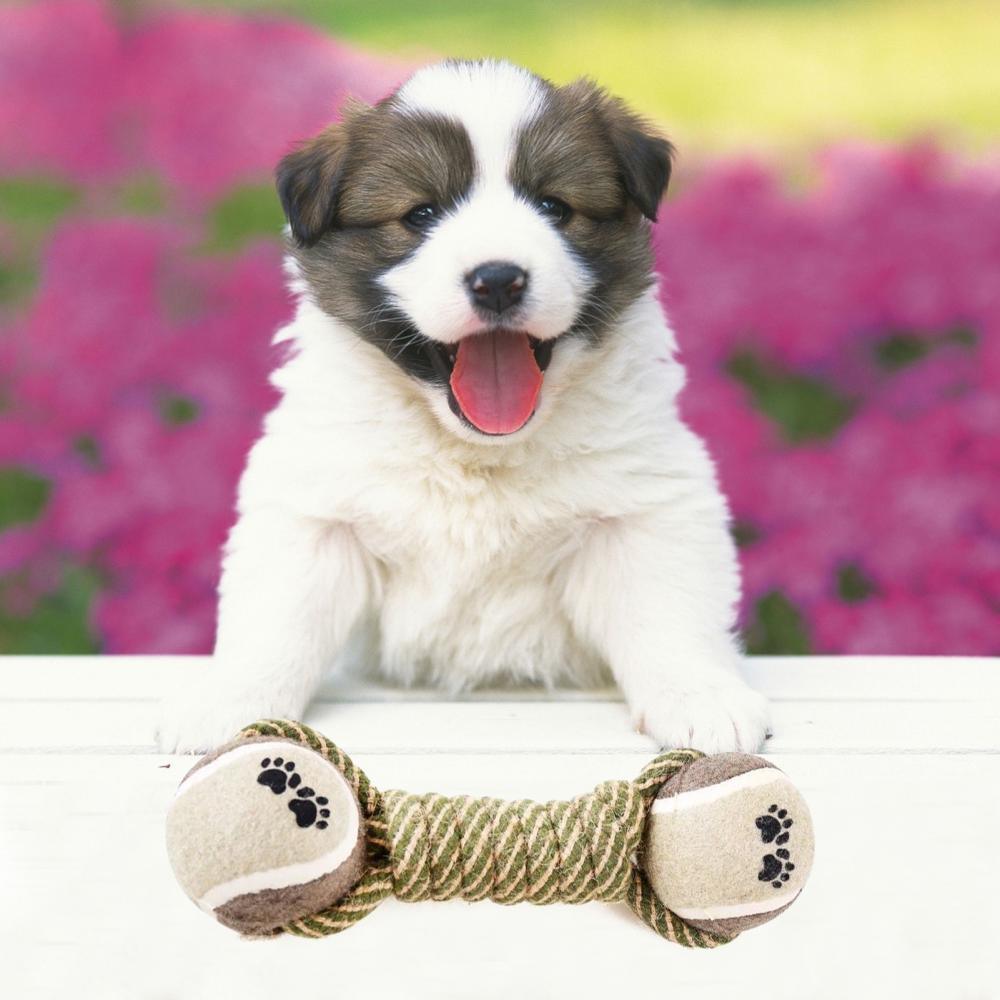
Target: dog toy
x=280, y=831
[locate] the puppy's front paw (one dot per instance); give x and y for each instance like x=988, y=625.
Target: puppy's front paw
x=200, y=718
x=718, y=714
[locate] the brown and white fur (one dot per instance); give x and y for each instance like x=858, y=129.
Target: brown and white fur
x=591, y=539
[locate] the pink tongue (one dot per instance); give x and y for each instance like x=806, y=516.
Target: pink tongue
x=496, y=381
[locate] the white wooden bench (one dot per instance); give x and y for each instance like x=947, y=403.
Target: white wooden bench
x=899, y=759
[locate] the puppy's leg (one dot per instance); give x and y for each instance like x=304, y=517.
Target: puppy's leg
x=656, y=595
x=292, y=589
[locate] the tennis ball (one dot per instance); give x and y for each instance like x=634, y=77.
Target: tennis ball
x=729, y=843
x=263, y=831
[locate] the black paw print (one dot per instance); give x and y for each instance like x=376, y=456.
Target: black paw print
x=278, y=775
x=307, y=808
x=774, y=826
x=776, y=868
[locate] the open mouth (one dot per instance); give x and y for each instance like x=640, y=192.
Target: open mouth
x=493, y=378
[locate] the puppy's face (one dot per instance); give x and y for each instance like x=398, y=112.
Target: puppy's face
x=482, y=228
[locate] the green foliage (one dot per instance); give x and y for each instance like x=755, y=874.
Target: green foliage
x=853, y=585
x=178, y=410
x=18, y=280
x=717, y=73
x=142, y=195
x=899, y=350
x=33, y=202
x=777, y=628
x=30, y=206
x=744, y=533
x=89, y=450
x=23, y=496
x=245, y=214
x=59, y=622
x=804, y=408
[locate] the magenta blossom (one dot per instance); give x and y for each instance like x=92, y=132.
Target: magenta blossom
x=842, y=344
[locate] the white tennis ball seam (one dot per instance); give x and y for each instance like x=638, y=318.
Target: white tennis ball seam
x=298, y=874
x=250, y=749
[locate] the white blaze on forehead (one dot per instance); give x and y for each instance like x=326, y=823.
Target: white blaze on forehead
x=493, y=100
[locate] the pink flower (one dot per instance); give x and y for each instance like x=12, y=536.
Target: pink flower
x=221, y=97
x=101, y=355
x=842, y=344
x=60, y=77
x=204, y=100
x=947, y=620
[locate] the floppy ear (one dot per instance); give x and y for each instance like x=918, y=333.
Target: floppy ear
x=644, y=157
x=307, y=182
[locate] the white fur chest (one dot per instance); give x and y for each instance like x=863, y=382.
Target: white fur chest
x=470, y=544
x=471, y=580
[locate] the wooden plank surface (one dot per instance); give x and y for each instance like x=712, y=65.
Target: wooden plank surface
x=803, y=726
x=901, y=770
x=942, y=678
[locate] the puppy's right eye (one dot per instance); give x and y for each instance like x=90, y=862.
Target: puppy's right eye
x=555, y=210
x=422, y=217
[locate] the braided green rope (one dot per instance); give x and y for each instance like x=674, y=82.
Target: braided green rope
x=438, y=847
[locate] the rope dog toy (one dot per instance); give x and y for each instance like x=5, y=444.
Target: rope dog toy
x=280, y=831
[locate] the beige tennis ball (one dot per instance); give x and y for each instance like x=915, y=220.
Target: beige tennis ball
x=263, y=831
x=729, y=843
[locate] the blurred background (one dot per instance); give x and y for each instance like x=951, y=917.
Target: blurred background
x=829, y=252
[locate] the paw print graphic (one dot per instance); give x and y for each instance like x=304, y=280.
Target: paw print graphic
x=308, y=808
x=776, y=868
x=278, y=774
x=774, y=826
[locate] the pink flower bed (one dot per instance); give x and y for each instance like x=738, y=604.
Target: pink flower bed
x=891, y=248
x=843, y=345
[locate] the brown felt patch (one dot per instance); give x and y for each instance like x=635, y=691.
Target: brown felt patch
x=711, y=770
x=262, y=911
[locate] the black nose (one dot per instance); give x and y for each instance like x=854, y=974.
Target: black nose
x=497, y=285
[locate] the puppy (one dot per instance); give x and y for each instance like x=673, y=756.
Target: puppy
x=477, y=457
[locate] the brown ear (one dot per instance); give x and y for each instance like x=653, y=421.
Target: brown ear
x=644, y=157
x=645, y=160
x=307, y=182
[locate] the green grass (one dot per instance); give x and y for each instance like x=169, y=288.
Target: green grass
x=719, y=74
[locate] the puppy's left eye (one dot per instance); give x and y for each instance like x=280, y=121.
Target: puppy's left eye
x=422, y=217
x=555, y=210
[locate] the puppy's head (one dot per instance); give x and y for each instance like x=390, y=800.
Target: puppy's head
x=478, y=226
